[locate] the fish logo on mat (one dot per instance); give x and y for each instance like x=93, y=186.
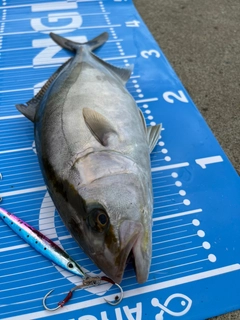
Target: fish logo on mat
x=184, y=300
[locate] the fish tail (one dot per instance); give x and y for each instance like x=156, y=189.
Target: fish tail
x=74, y=46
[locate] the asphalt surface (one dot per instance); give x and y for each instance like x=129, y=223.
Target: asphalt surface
x=201, y=40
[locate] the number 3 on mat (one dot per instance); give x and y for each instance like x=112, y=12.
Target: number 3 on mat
x=145, y=54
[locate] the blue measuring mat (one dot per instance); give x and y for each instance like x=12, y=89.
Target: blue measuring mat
x=196, y=240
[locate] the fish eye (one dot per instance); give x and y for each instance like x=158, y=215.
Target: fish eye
x=98, y=220
x=70, y=265
x=102, y=218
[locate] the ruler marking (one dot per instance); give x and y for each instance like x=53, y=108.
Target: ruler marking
x=13, y=193
x=171, y=166
x=174, y=215
x=147, y=100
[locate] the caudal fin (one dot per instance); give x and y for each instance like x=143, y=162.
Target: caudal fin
x=73, y=46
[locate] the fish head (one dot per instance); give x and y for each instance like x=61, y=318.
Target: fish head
x=116, y=224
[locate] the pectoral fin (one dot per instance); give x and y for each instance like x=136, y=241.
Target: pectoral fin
x=153, y=134
x=100, y=127
x=143, y=120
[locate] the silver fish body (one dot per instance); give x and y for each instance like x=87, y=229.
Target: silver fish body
x=42, y=244
x=93, y=148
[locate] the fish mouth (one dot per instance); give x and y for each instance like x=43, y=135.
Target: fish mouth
x=131, y=235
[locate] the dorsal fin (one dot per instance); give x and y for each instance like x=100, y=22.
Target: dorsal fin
x=153, y=133
x=123, y=73
x=100, y=127
x=29, y=110
x=38, y=97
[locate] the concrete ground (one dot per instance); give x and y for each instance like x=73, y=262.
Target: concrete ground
x=201, y=39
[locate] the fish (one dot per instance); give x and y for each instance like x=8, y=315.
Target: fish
x=93, y=147
x=41, y=243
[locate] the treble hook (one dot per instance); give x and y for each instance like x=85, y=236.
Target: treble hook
x=89, y=281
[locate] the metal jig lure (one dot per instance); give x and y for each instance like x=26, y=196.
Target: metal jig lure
x=41, y=243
